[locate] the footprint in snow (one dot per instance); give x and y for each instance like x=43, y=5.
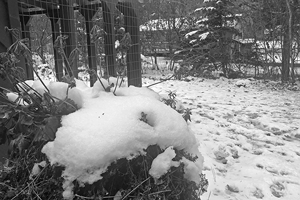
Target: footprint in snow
x=221, y=154
x=231, y=189
x=258, y=193
x=272, y=170
x=277, y=189
x=234, y=153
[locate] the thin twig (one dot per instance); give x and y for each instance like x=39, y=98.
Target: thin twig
x=99, y=79
x=31, y=88
x=67, y=66
x=116, y=85
x=122, y=80
x=39, y=77
x=135, y=188
x=63, y=101
x=7, y=186
x=37, y=195
x=111, y=197
x=30, y=183
x=214, y=174
x=7, y=90
x=76, y=195
x=209, y=195
x=8, y=102
x=161, y=81
x=159, y=192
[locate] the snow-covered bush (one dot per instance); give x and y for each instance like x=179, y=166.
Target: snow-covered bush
x=109, y=128
x=70, y=141
x=100, y=143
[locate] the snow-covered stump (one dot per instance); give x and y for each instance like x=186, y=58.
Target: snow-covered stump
x=120, y=141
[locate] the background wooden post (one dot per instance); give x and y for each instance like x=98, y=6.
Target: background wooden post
x=67, y=20
x=5, y=40
x=26, y=34
x=134, y=71
x=88, y=12
x=108, y=8
x=57, y=57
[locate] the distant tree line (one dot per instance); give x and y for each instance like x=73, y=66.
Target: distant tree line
x=253, y=33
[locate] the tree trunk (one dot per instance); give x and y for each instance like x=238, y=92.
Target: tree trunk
x=291, y=37
x=287, y=44
x=155, y=60
x=285, y=57
x=286, y=49
x=292, y=10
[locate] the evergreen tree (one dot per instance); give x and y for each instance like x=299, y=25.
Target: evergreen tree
x=209, y=41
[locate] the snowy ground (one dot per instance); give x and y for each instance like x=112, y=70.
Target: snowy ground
x=250, y=137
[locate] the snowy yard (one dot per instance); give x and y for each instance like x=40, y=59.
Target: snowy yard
x=249, y=137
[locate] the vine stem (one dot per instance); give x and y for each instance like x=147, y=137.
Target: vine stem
x=116, y=85
x=99, y=79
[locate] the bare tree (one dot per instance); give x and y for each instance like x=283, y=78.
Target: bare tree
x=40, y=29
x=165, y=20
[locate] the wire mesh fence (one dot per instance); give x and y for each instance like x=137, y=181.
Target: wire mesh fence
x=80, y=38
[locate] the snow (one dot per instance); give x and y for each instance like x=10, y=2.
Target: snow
x=39, y=87
x=37, y=169
x=80, y=84
x=117, y=44
x=191, y=170
x=203, y=36
x=45, y=70
x=162, y=163
x=14, y=97
x=249, y=137
x=210, y=8
x=59, y=91
x=191, y=33
x=193, y=41
x=163, y=24
x=243, y=83
x=198, y=9
x=98, y=87
x=135, y=91
x=204, y=19
x=109, y=127
x=24, y=86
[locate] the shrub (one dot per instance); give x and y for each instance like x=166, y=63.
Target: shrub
x=32, y=120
